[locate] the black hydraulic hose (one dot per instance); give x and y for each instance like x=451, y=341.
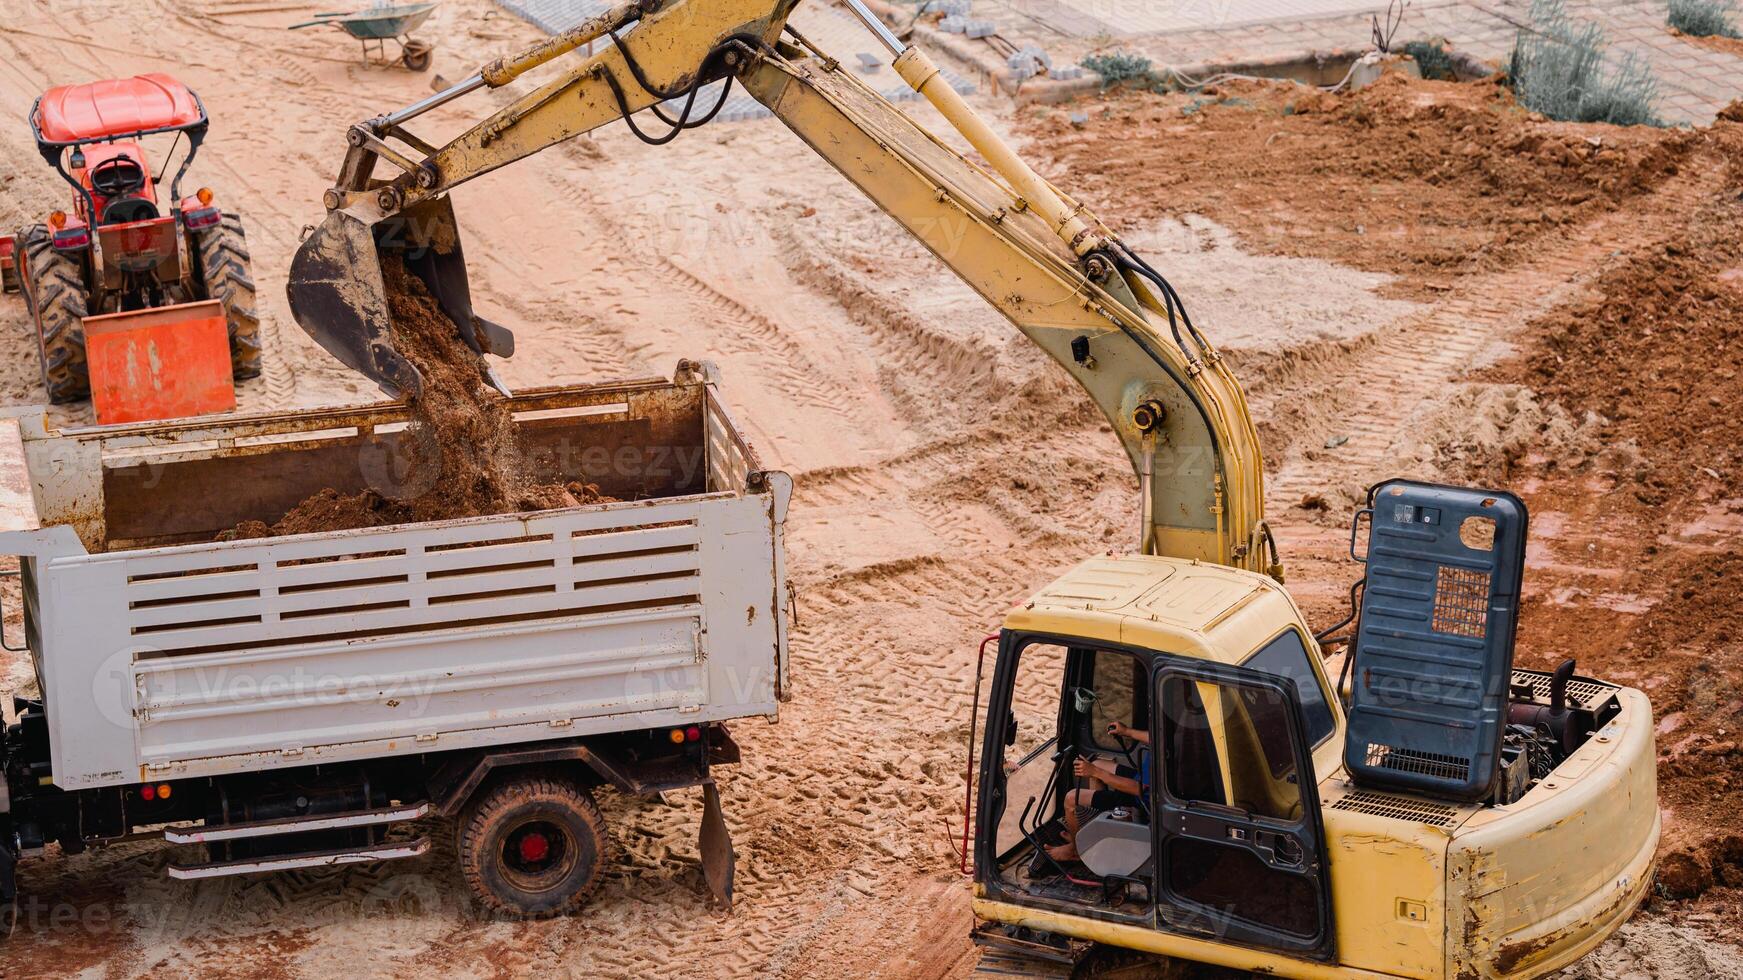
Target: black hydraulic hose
x=687, y=93
x=629, y=116
x=707, y=117
x=1355, y=592
x=1127, y=265
x=1184, y=316
x=1167, y=287
x=635, y=70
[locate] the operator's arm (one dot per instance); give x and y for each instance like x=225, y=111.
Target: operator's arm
x=1126, y=731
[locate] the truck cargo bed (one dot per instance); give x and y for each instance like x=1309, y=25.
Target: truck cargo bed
x=162, y=653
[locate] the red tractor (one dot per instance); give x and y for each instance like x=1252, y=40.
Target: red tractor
x=117, y=251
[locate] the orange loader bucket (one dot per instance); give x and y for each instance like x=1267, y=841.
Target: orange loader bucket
x=166, y=363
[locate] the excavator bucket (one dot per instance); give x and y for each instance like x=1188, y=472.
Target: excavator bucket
x=339, y=297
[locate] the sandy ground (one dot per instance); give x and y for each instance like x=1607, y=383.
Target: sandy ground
x=862, y=367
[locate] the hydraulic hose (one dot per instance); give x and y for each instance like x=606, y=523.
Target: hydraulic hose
x=687, y=93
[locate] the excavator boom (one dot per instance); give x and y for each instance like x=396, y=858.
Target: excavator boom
x=1041, y=258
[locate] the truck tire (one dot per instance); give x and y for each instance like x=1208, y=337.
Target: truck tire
x=227, y=275
x=532, y=845
x=55, y=290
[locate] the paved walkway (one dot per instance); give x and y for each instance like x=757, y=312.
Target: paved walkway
x=1695, y=81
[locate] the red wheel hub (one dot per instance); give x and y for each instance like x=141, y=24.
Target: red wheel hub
x=534, y=847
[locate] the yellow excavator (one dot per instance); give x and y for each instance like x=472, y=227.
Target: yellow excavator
x=1166, y=765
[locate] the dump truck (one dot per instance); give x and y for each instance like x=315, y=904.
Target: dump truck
x=1459, y=819
x=124, y=254
x=323, y=698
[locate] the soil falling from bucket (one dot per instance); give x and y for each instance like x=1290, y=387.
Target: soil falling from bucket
x=459, y=457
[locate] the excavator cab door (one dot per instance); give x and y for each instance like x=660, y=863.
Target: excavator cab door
x=1240, y=846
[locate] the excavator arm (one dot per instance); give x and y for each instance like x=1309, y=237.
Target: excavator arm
x=1042, y=259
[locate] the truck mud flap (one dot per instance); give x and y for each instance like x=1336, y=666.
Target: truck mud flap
x=719, y=860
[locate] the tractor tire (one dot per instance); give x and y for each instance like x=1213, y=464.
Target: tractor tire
x=226, y=274
x=55, y=290
x=532, y=845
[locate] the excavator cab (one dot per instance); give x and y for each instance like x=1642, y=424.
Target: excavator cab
x=1222, y=837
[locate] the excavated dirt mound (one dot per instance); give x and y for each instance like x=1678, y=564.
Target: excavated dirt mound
x=1642, y=551
x=461, y=440
x=1656, y=355
x=1426, y=180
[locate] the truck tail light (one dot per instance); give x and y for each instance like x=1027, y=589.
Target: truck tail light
x=693, y=734
x=676, y=735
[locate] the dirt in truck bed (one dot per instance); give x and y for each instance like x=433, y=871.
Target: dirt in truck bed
x=461, y=449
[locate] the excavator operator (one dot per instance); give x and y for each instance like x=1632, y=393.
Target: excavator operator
x=1107, y=786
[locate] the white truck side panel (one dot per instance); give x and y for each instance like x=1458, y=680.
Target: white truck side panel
x=209, y=659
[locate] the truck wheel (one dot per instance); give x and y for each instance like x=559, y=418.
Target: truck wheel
x=225, y=271
x=56, y=293
x=532, y=846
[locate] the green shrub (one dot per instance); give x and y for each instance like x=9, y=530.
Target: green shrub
x=1121, y=66
x=1559, y=69
x=1703, y=18
x=1433, y=61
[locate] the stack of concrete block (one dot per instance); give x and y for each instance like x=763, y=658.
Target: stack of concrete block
x=949, y=8
x=980, y=28
x=1032, y=59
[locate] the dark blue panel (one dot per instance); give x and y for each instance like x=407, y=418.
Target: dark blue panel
x=1434, y=646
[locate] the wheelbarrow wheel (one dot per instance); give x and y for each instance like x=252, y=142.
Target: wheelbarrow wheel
x=417, y=55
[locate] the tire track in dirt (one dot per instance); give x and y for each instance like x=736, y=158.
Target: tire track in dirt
x=938, y=382
x=755, y=335
x=1425, y=354
x=767, y=347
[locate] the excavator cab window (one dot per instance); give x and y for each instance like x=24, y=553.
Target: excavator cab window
x=1240, y=838
x=1030, y=759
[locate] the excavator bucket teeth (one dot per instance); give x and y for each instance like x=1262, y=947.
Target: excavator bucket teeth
x=338, y=294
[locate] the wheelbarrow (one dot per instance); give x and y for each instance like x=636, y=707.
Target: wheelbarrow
x=375, y=26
